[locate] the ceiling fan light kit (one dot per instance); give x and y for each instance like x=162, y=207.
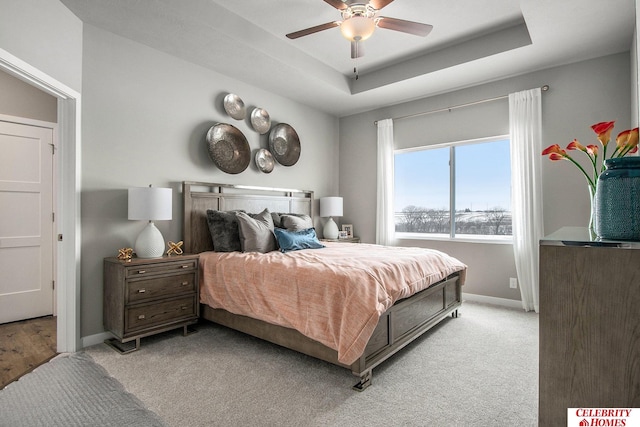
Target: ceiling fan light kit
x=357, y=28
x=359, y=21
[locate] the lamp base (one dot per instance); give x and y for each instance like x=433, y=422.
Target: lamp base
x=150, y=243
x=330, y=230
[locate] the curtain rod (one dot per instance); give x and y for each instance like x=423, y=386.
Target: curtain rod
x=468, y=104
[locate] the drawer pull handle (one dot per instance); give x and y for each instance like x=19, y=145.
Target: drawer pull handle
x=185, y=283
x=142, y=291
x=184, y=307
x=142, y=271
x=186, y=266
x=141, y=317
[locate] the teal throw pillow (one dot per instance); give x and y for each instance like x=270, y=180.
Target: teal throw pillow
x=296, y=240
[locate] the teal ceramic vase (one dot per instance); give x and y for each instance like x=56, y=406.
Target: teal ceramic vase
x=617, y=206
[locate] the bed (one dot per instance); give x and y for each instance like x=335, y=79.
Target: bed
x=399, y=316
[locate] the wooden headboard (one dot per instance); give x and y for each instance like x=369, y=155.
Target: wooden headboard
x=198, y=197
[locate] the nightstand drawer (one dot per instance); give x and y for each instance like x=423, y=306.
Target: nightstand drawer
x=161, y=268
x=149, y=315
x=152, y=288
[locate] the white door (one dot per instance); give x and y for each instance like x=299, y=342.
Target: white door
x=26, y=221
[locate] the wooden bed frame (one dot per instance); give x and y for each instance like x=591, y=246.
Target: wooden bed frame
x=400, y=325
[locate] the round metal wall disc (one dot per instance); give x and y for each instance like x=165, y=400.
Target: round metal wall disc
x=228, y=148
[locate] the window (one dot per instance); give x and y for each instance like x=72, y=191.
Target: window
x=471, y=179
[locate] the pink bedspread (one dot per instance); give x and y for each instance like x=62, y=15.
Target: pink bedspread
x=333, y=295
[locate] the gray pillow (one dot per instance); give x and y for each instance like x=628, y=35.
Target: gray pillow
x=223, y=226
x=296, y=222
x=277, y=218
x=256, y=232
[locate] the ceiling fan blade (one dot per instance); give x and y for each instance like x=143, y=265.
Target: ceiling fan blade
x=338, y=4
x=357, y=50
x=312, y=30
x=415, y=28
x=379, y=4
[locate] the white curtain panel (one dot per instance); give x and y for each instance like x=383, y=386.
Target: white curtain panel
x=525, y=128
x=385, y=224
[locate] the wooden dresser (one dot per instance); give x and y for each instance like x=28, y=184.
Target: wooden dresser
x=589, y=324
x=143, y=297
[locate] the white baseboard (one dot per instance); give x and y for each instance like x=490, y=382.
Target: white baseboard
x=512, y=303
x=95, y=339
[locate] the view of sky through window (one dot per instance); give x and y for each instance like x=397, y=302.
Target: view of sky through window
x=483, y=177
x=481, y=189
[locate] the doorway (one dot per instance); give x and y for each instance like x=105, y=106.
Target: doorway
x=67, y=199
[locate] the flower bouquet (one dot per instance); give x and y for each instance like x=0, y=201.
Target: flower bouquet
x=626, y=143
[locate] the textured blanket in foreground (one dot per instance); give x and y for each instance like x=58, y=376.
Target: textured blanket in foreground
x=72, y=390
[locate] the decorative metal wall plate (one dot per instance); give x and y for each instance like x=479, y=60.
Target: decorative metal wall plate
x=284, y=144
x=264, y=160
x=234, y=106
x=260, y=120
x=228, y=148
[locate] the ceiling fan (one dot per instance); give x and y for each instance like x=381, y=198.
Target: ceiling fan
x=359, y=21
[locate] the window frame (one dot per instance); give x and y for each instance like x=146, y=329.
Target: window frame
x=469, y=238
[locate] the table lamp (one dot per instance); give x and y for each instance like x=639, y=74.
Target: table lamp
x=149, y=204
x=330, y=207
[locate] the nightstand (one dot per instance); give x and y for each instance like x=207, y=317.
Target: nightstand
x=143, y=297
x=348, y=240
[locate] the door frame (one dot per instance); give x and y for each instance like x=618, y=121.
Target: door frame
x=67, y=197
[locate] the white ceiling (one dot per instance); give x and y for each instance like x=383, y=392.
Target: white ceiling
x=473, y=42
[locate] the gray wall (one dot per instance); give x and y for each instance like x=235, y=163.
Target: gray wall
x=23, y=100
x=46, y=35
x=145, y=116
x=581, y=94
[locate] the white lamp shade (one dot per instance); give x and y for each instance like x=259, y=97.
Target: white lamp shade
x=149, y=203
x=330, y=206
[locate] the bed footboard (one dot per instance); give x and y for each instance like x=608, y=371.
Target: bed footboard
x=400, y=325
x=404, y=322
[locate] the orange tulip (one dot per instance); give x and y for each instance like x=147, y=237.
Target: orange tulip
x=603, y=130
x=592, y=149
x=623, y=137
x=555, y=148
x=633, y=138
x=575, y=145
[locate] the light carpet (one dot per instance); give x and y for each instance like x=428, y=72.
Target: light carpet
x=480, y=369
x=72, y=390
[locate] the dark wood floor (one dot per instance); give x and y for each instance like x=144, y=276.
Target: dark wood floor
x=24, y=346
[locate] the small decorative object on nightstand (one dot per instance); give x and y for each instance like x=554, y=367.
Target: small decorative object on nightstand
x=143, y=297
x=348, y=229
x=341, y=240
x=174, y=248
x=125, y=254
